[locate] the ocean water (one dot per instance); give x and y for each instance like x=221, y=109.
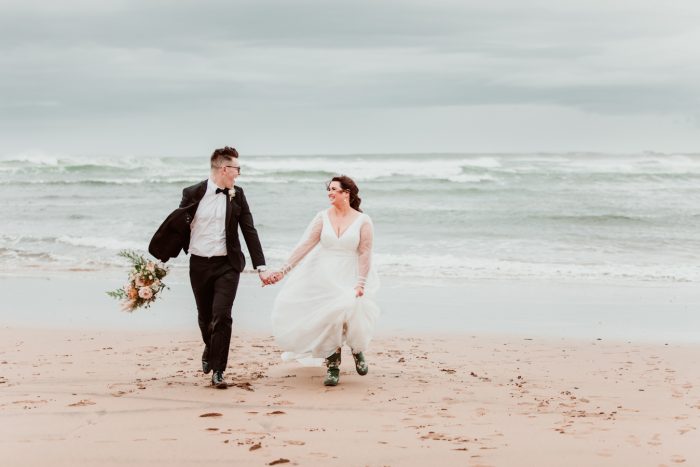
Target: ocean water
x=569, y=217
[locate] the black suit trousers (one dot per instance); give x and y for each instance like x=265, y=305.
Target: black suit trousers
x=214, y=283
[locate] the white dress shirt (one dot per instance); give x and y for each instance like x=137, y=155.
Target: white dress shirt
x=208, y=228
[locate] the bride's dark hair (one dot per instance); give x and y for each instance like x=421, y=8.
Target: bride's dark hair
x=349, y=185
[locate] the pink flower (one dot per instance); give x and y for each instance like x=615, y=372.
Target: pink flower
x=145, y=293
x=151, y=266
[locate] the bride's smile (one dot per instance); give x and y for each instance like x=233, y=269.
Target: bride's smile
x=337, y=196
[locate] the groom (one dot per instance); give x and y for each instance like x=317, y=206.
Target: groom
x=206, y=224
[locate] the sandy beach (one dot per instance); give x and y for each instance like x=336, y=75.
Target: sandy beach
x=526, y=177
x=86, y=397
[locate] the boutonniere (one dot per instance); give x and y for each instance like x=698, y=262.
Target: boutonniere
x=232, y=193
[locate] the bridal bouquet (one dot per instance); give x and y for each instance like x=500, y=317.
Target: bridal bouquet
x=145, y=282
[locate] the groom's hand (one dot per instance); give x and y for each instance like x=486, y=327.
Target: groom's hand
x=265, y=277
x=270, y=277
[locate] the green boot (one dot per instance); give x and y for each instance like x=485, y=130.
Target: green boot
x=333, y=374
x=360, y=363
x=332, y=377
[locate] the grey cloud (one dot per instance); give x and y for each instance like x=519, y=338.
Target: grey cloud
x=196, y=25
x=90, y=60
x=363, y=23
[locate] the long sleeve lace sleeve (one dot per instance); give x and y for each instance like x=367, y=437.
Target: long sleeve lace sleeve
x=308, y=241
x=364, y=252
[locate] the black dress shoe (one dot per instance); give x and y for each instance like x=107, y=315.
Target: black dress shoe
x=217, y=380
x=205, y=364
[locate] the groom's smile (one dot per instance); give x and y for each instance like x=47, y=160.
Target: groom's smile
x=227, y=174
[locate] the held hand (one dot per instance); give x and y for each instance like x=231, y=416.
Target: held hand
x=270, y=277
x=359, y=291
x=266, y=278
x=277, y=276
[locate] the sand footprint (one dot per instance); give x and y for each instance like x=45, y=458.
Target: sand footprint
x=655, y=440
x=633, y=440
x=81, y=403
x=281, y=460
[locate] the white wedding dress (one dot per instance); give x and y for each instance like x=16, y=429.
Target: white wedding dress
x=317, y=311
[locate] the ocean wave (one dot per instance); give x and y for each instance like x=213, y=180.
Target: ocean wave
x=482, y=162
x=100, y=242
x=67, y=160
x=457, y=169
x=361, y=168
x=376, y=164
x=435, y=268
x=14, y=242
x=452, y=267
x=472, y=178
x=596, y=218
x=631, y=165
x=446, y=266
x=108, y=181
x=516, y=205
x=13, y=253
x=19, y=256
x=98, y=169
x=99, y=252
x=272, y=178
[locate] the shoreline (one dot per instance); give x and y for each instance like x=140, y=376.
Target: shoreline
x=645, y=313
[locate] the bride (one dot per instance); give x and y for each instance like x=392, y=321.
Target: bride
x=328, y=298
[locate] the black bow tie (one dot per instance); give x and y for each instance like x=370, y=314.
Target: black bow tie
x=222, y=190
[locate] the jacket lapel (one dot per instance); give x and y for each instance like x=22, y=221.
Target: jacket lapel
x=200, y=191
x=197, y=195
x=228, y=211
x=233, y=206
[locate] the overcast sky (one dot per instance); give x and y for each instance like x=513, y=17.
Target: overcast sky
x=181, y=77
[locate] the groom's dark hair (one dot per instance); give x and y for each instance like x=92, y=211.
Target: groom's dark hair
x=223, y=155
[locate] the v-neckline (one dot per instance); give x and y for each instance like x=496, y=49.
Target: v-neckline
x=338, y=237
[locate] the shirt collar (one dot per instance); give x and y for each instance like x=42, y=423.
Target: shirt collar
x=211, y=187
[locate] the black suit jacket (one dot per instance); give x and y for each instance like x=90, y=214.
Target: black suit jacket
x=173, y=234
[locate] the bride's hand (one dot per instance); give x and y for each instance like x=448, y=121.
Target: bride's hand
x=359, y=291
x=271, y=277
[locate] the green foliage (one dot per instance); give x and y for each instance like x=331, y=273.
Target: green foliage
x=144, y=282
